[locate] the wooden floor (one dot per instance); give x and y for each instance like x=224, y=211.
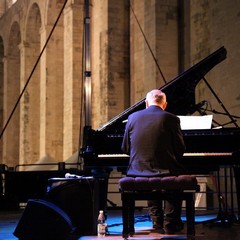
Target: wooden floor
x=211, y=231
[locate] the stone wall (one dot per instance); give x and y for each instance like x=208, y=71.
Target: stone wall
x=215, y=24
x=135, y=46
x=41, y=78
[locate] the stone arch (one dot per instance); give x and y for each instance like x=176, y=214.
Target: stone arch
x=30, y=103
x=11, y=94
x=1, y=91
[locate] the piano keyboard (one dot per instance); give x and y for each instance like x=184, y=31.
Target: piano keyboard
x=113, y=156
x=208, y=154
x=196, y=154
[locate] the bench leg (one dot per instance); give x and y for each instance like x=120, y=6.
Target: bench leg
x=190, y=214
x=127, y=216
x=131, y=208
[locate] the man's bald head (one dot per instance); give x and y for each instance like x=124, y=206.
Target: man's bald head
x=156, y=97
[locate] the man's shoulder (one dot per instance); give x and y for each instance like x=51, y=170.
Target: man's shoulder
x=139, y=112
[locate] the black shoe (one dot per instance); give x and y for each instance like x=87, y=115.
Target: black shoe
x=157, y=225
x=157, y=222
x=159, y=230
x=173, y=228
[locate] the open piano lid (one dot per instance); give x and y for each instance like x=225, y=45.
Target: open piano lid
x=180, y=92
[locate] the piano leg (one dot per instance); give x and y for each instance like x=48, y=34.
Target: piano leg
x=236, y=170
x=102, y=175
x=224, y=216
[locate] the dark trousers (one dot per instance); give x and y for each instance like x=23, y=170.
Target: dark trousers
x=166, y=216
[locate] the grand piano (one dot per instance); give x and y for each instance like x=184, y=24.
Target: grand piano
x=206, y=150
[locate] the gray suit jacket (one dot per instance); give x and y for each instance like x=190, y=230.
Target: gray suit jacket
x=154, y=141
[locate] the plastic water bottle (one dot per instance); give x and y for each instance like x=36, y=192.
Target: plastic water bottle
x=102, y=225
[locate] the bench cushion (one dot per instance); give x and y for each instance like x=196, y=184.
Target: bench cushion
x=181, y=182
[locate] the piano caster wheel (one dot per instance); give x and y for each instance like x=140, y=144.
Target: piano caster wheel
x=125, y=236
x=190, y=237
x=131, y=234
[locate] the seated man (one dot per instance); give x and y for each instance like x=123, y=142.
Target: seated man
x=154, y=141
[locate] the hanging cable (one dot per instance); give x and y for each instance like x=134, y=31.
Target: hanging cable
x=85, y=71
x=145, y=38
x=30, y=76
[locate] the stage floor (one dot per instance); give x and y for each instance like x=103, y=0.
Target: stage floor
x=210, y=231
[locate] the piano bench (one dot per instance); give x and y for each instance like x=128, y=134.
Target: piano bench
x=157, y=188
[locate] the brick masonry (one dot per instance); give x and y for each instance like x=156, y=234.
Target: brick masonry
x=48, y=119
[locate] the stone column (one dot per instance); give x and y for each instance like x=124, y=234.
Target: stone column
x=73, y=77
x=155, y=37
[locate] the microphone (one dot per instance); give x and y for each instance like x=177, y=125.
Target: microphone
x=68, y=175
x=200, y=104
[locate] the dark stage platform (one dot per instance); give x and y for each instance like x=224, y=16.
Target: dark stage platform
x=215, y=231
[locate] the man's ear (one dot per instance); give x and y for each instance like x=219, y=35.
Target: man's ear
x=146, y=102
x=164, y=105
